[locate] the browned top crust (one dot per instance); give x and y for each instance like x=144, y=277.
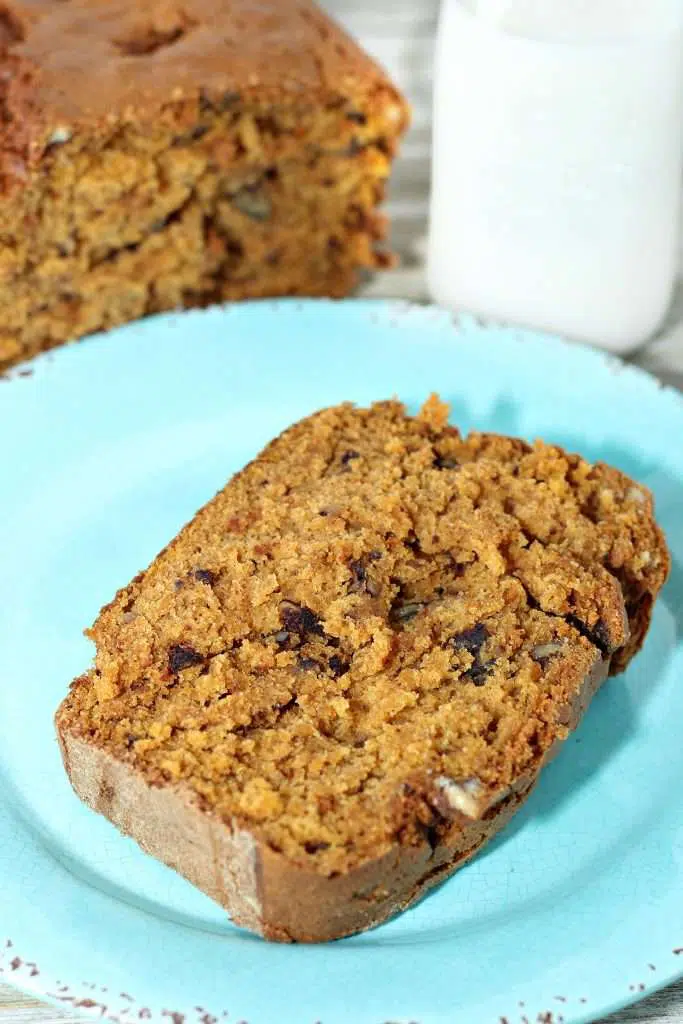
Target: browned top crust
x=95, y=63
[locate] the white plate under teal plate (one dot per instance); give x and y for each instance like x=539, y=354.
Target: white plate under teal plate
x=106, y=449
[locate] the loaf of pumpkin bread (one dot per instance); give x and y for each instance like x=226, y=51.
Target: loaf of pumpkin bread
x=165, y=154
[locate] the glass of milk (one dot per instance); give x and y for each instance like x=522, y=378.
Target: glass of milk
x=558, y=164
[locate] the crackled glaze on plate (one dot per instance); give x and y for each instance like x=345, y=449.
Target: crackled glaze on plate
x=109, y=447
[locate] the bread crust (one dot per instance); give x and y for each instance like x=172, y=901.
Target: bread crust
x=260, y=888
x=142, y=57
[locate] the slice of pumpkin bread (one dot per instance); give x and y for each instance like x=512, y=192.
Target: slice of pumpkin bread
x=346, y=673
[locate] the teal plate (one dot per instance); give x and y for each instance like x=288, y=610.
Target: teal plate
x=108, y=447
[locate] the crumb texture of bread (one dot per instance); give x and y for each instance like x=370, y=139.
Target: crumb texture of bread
x=165, y=155
x=351, y=666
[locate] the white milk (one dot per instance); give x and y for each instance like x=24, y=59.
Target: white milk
x=558, y=159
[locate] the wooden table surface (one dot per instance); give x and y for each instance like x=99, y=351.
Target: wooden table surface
x=403, y=42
